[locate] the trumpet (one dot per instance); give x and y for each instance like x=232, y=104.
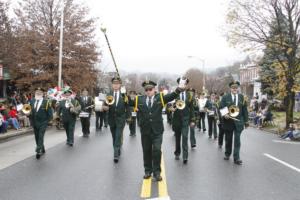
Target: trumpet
x=110, y=100
x=26, y=109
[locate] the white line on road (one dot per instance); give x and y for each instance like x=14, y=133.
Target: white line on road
x=285, y=142
x=282, y=162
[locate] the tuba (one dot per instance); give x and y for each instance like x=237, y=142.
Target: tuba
x=110, y=100
x=234, y=111
x=26, y=109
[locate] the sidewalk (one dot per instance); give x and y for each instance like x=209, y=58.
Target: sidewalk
x=14, y=133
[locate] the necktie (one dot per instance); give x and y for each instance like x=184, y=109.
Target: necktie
x=37, y=104
x=234, y=99
x=116, y=100
x=149, y=102
x=182, y=96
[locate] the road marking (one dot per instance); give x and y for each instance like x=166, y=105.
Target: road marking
x=146, y=188
x=162, y=185
x=285, y=142
x=161, y=198
x=282, y=162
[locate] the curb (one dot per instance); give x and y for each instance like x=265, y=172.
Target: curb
x=15, y=134
x=265, y=130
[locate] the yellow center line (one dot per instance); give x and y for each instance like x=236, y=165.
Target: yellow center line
x=146, y=188
x=162, y=185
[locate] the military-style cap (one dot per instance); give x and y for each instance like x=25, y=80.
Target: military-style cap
x=148, y=84
x=132, y=92
x=191, y=90
x=234, y=84
x=39, y=89
x=116, y=79
x=187, y=80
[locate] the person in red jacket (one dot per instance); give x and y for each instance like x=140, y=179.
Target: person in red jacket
x=13, y=117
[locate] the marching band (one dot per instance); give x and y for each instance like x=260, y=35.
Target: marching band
x=185, y=110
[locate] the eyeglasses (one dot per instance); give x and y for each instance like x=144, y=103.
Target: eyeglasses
x=149, y=89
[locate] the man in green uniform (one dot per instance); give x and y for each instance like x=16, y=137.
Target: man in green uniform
x=132, y=123
x=211, y=109
x=41, y=114
x=68, y=109
x=234, y=125
x=149, y=108
x=118, y=113
x=182, y=120
x=86, y=103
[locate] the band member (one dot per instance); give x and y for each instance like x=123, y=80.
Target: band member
x=183, y=118
x=99, y=111
x=201, y=106
x=234, y=102
x=86, y=104
x=149, y=108
x=118, y=113
x=192, y=128
x=211, y=108
x=68, y=109
x=220, y=122
x=169, y=113
x=41, y=114
x=132, y=123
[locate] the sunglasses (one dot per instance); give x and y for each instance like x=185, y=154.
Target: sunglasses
x=149, y=89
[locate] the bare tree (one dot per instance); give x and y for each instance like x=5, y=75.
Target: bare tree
x=249, y=24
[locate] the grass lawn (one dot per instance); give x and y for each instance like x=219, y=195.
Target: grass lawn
x=279, y=120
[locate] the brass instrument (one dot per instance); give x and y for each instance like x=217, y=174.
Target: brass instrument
x=179, y=104
x=26, y=109
x=234, y=111
x=110, y=100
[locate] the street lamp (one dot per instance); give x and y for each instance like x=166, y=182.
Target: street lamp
x=203, y=66
x=61, y=45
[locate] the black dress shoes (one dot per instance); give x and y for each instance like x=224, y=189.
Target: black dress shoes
x=238, y=162
x=226, y=158
x=157, y=177
x=116, y=160
x=185, y=161
x=147, y=176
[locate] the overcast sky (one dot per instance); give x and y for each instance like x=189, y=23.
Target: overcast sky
x=158, y=35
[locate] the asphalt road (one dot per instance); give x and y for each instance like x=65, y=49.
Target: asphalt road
x=87, y=172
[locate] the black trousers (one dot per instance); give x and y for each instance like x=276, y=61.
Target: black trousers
x=229, y=135
x=221, y=135
x=202, y=120
x=212, y=126
x=100, y=118
x=132, y=126
x=85, y=123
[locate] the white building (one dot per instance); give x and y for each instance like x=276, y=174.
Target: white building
x=249, y=79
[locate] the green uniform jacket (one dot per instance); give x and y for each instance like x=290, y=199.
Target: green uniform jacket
x=230, y=124
x=151, y=119
x=186, y=116
x=44, y=114
x=209, y=105
x=117, y=115
x=67, y=115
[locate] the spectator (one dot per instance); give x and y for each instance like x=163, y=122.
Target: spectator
x=293, y=133
x=7, y=117
x=254, y=105
x=297, y=105
x=4, y=125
